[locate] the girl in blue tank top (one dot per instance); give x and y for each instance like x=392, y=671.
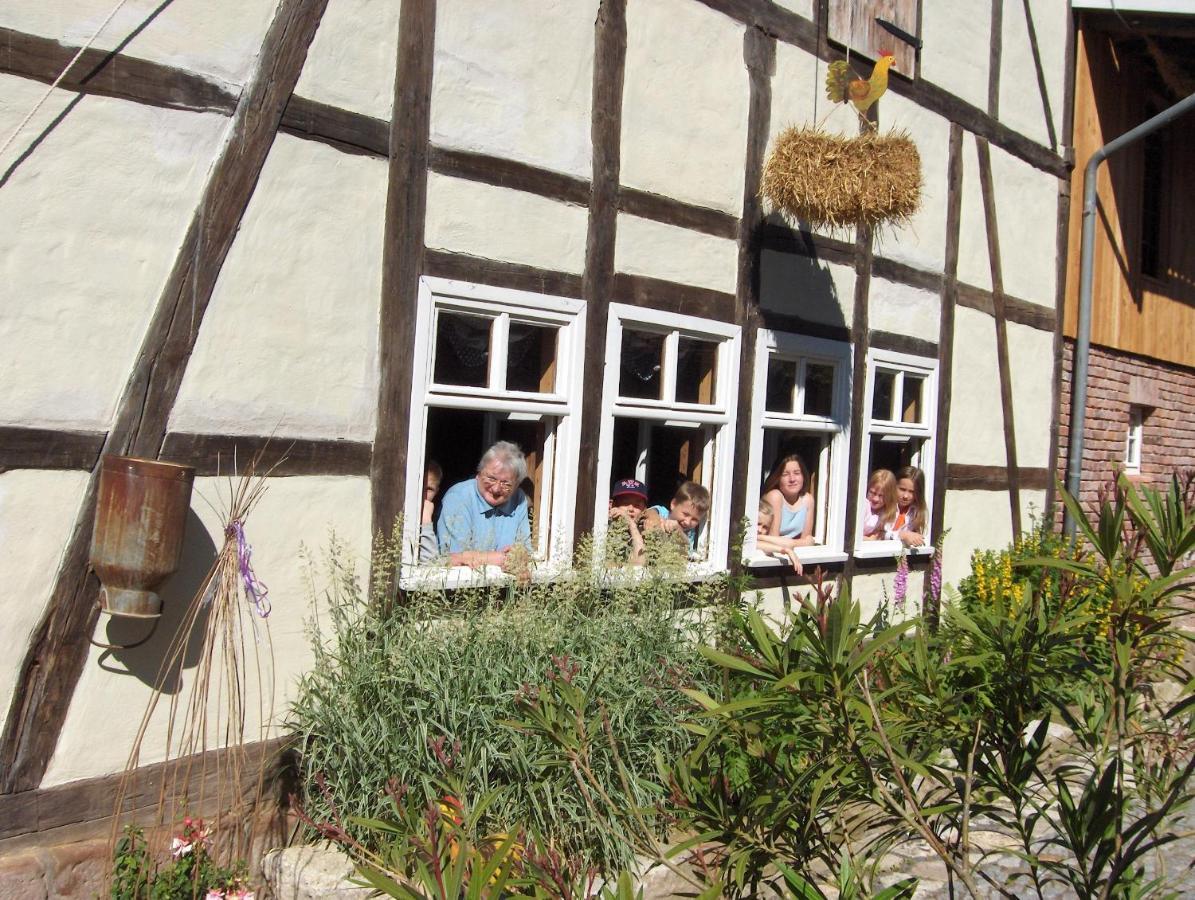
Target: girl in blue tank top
x=787, y=492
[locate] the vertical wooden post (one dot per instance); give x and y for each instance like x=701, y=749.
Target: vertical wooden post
x=58, y=648
x=759, y=54
x=609, y=65
x=402, y=257
x=994, y=54
x=998, y=303
x=949, y=298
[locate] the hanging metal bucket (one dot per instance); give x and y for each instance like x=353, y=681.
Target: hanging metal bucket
x=140, y=519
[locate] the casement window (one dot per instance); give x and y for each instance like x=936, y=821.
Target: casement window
x=900, y=405
x=495, y=364
x=1133, y=439
x=803, y=401
x=668, y=411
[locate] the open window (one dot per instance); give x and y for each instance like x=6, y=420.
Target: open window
x=1133, y=440
x=495, y=364
x=900, y=405
x=803, y=398
x=668, y=413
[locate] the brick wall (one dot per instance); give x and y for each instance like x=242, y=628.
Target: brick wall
x=1168, y=442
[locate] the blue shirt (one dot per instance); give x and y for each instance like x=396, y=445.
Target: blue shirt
x=468, y=522
x=691, y=536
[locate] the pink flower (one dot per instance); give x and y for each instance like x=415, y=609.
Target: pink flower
x=215, y=894
x=180, y=847
x=900, y=584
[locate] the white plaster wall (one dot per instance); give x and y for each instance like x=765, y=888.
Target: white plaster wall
x=1027, y=211
x=973, y=261
x=293, y=513
x=957, y=45
x=684, y=107
x=647, y=247
x=211, y=37
x=903, y=309
x=289, y=342
x=514, y=78
x=922, y=241
x=981, y=520
x=37, y=512
x=498, y=223
x=351, y=61
x=800, y=7
x=976, y=423
x=800, y=286
x=1021, y=105
x=870, y=590
x=1031, y=363
x=92, y=221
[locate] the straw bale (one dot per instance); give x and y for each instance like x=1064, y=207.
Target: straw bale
x=831, y=181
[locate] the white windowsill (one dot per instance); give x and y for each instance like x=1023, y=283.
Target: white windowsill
x=809, y=556
x=882, y=549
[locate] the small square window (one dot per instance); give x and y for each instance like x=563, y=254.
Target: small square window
x=782, y=383
x=819, y=389
x=642, y=362
x=696, y=370
x=1133, y=439
x=531, y=358
x=883, y=393
x=462, y=349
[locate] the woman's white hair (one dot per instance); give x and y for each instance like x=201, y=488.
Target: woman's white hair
x=510, y=456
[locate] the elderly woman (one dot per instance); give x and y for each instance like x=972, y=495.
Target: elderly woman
x=483, y=517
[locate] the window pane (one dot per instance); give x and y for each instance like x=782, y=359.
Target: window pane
x=641, y=360
x=462, y=349
x=881, y=398
x=696, y=369
x=531, y=358
x=819, y=389
x=911, y=405
x=782, y=378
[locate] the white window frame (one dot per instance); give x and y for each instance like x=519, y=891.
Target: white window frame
x=918, y=366
x=564, y=404
x=1134, y=437
x=831, y=518
x=715, y=534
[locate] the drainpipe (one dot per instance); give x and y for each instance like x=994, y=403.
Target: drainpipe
x=1074, y=456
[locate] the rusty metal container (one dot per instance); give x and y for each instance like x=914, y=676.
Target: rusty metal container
x=140, y=518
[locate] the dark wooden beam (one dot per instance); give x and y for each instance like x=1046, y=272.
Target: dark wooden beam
x=609, y=69
x=759, y=54
x=1002, y=356
x=860, y=339
x=672, y=296
x=508, y=173
x=58, y=648
x=785, y=239
x=1021, y=312
x=996, y=33
x=677, y=212
x=110, y=73
x=47, y=448
x=903, y=343
x=93, y=800
x=964, y=477
x=948, y=298
x=794, y=29
x=498, y=273
x=225, y=454
x=402, y=257
x=348, y=131
x=903, y=273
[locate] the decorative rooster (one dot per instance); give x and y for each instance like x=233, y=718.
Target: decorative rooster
x=842, y=84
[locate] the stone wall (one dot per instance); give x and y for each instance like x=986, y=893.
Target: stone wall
x=1115, y=382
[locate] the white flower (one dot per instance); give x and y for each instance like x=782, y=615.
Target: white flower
x=180, y=847
x=215, y=894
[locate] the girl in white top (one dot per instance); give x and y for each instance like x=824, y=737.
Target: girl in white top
x=881, y=506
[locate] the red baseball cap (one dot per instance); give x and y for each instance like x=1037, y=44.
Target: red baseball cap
x=629, y=486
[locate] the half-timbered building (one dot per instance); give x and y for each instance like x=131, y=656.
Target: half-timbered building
x=374, y=234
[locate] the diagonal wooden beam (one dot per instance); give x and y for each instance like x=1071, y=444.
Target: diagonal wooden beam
x=58, y=649
x=609, y=65
x=402, y=256
x=1002, y=360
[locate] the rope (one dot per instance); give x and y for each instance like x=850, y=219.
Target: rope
x=69, y=65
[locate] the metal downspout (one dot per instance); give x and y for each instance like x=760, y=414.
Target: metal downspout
x=1074, y=455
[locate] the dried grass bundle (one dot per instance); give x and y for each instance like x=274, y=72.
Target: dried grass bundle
x=834, y=181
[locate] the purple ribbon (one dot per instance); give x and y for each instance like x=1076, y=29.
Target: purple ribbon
x=256, y=590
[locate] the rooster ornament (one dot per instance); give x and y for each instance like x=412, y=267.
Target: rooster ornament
x=842, y=84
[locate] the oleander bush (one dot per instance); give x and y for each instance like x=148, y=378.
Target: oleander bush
x=402, y=692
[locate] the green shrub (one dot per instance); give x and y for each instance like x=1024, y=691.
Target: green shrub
x=399, y=692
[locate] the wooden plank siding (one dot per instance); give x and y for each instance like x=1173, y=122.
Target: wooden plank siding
x=1152, y=317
